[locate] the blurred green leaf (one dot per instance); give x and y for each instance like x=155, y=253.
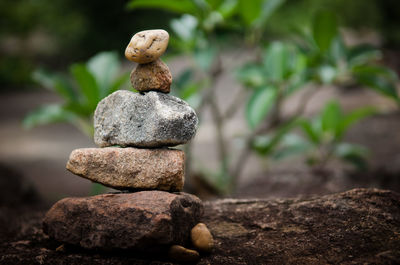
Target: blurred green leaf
x=351, y=118
x=290, y=145
x=212, y=20
x=275, y=60
x=298, y=73
x=178, y=6
x=78, y=108
x=298, y=62
x=219, y=180
x=185, y=87
x=205, y=57
x=183, y=79
x=259, y=105
x=228, y=8
x=266, y=144
x=104, y=67
x=47, y=114
x=311, y=131
x=362, y=54
x=87, y=84
x=118, y=83
x=327, y=73
x=325, y=29
x=251, y=75
x=250, y=10
x=268, y=7
x=354, y=154
x=379, y=78
x=338, y=50
x=326, y=131
x=214, y=3
x=93, y=81
x=331, y=117
x=56, y=83
x=189, y=90
x=184, y=27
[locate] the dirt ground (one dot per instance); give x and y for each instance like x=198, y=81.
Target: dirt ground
x=360, y=226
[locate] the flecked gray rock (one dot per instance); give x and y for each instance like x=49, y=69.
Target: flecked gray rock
x=142, y=220
x=143, y=120
x=130, y=168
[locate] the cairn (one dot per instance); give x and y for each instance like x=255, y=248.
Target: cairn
x=135, y=133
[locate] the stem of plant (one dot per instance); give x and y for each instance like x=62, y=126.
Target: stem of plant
x=274, y=120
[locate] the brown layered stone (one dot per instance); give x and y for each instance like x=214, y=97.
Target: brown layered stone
x=141, y=220
x=154, y=76
x=130, y=168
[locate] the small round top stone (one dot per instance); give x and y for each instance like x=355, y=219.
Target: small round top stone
x=147, y=46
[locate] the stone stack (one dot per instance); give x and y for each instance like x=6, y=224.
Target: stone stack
x=135, y=132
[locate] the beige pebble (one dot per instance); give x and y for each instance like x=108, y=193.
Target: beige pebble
x=181, y=254
x=202, y=238
x=147, y=46
x=154, y=76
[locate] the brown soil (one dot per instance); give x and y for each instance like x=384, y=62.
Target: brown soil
x=360, y=226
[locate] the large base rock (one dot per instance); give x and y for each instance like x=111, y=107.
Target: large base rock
x=141, y=220
x=151, y=120
x=130, y=168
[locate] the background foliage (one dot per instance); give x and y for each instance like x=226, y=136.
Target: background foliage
x=294, y=48
x=56, y=33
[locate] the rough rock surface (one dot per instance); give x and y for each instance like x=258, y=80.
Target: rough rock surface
x=360, y=226
x=147, y=46
x=154, y=76
x=130, y=168
x=141, y=220
x=151, y=120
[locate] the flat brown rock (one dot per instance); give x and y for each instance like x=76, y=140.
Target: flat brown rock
x=154, y=76
x=130, y=168
x=141, y=220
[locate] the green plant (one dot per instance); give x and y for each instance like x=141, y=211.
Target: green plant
x=87, y=85
x=322, y=138
x=198, y=35
x=330, y=61
x=272, y=74
x=320, y=58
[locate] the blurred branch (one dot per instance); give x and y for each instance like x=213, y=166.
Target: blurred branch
x=233, y=107
x=273, y=121
x=304, y=100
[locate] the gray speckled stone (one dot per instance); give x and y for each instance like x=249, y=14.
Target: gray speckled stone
x=151, y=120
